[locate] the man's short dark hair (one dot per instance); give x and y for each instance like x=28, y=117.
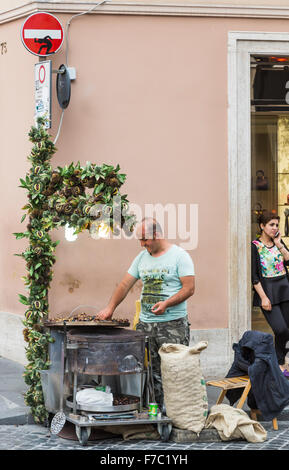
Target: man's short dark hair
x=152, y=227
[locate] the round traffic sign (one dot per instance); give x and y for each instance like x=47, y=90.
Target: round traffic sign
x=42, y=74
x=42, y=34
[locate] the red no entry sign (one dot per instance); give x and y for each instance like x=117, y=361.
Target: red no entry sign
x=42, y=74
x=42, y=34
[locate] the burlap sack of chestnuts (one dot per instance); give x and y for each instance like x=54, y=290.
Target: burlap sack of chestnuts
x=184, y=387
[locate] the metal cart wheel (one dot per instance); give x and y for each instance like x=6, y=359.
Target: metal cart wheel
x=83, y=434
x=164, y=431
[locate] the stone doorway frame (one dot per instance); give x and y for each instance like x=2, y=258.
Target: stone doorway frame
x=240, y=46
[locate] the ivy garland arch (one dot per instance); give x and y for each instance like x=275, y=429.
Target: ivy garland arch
x=57, y=197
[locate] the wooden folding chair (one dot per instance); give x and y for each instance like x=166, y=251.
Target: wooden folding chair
x=230, y=383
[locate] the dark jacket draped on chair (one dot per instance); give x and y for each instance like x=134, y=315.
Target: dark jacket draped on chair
x=255, y=356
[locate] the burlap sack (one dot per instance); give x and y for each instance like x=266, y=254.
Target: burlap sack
x=132, y=432
x=185, y=393
x=233, y=423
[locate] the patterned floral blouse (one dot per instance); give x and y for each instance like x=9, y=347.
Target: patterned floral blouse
x=272, y=262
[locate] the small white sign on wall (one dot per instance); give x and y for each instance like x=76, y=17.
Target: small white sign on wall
x=42, y=81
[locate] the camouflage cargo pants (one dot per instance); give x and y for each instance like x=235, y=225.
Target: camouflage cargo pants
x=174, y=331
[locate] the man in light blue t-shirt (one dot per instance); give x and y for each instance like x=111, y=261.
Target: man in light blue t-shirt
x=168, y=277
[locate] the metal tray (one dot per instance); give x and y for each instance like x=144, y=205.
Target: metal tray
x=103, y=409
x=65, y=321
x=86, y=323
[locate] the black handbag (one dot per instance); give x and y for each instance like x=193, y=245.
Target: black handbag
x=261, y=181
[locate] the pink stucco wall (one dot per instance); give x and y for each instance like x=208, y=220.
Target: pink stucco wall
x=151, y=95
x=16, y=114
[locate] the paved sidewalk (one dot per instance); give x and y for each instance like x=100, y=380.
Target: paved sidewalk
x=17, y=431
x=35, y=437
x=12, y=390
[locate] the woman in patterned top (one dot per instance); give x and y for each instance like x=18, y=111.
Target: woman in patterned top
x=270, y=258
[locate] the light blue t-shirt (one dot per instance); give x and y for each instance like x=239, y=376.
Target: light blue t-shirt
x=161, y=280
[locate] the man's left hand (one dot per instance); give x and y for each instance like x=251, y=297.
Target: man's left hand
x=159, y=308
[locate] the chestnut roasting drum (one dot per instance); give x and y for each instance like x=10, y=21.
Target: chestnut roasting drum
x=105, y=351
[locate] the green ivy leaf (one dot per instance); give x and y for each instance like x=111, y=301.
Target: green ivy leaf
x=23, y=299
x=98, y=188
x=20, y=235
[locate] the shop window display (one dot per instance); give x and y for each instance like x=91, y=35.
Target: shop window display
x=269, y=159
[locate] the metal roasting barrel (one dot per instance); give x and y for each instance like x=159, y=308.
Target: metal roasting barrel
x=105, y=351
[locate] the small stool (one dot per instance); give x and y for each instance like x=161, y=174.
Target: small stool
x=238, y=382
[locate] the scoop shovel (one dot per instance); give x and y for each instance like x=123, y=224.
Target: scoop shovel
x=59, y=418
x=57, y=422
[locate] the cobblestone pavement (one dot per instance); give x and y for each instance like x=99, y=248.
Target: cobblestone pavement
x=16, y=433
x=37, y=437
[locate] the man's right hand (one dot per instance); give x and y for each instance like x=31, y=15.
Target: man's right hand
x=119, y=294
x=105, y=314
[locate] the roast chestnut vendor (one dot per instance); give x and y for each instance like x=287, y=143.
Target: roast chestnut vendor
x=168, y=276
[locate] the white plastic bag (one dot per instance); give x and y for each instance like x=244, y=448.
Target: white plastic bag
x=91, y=397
